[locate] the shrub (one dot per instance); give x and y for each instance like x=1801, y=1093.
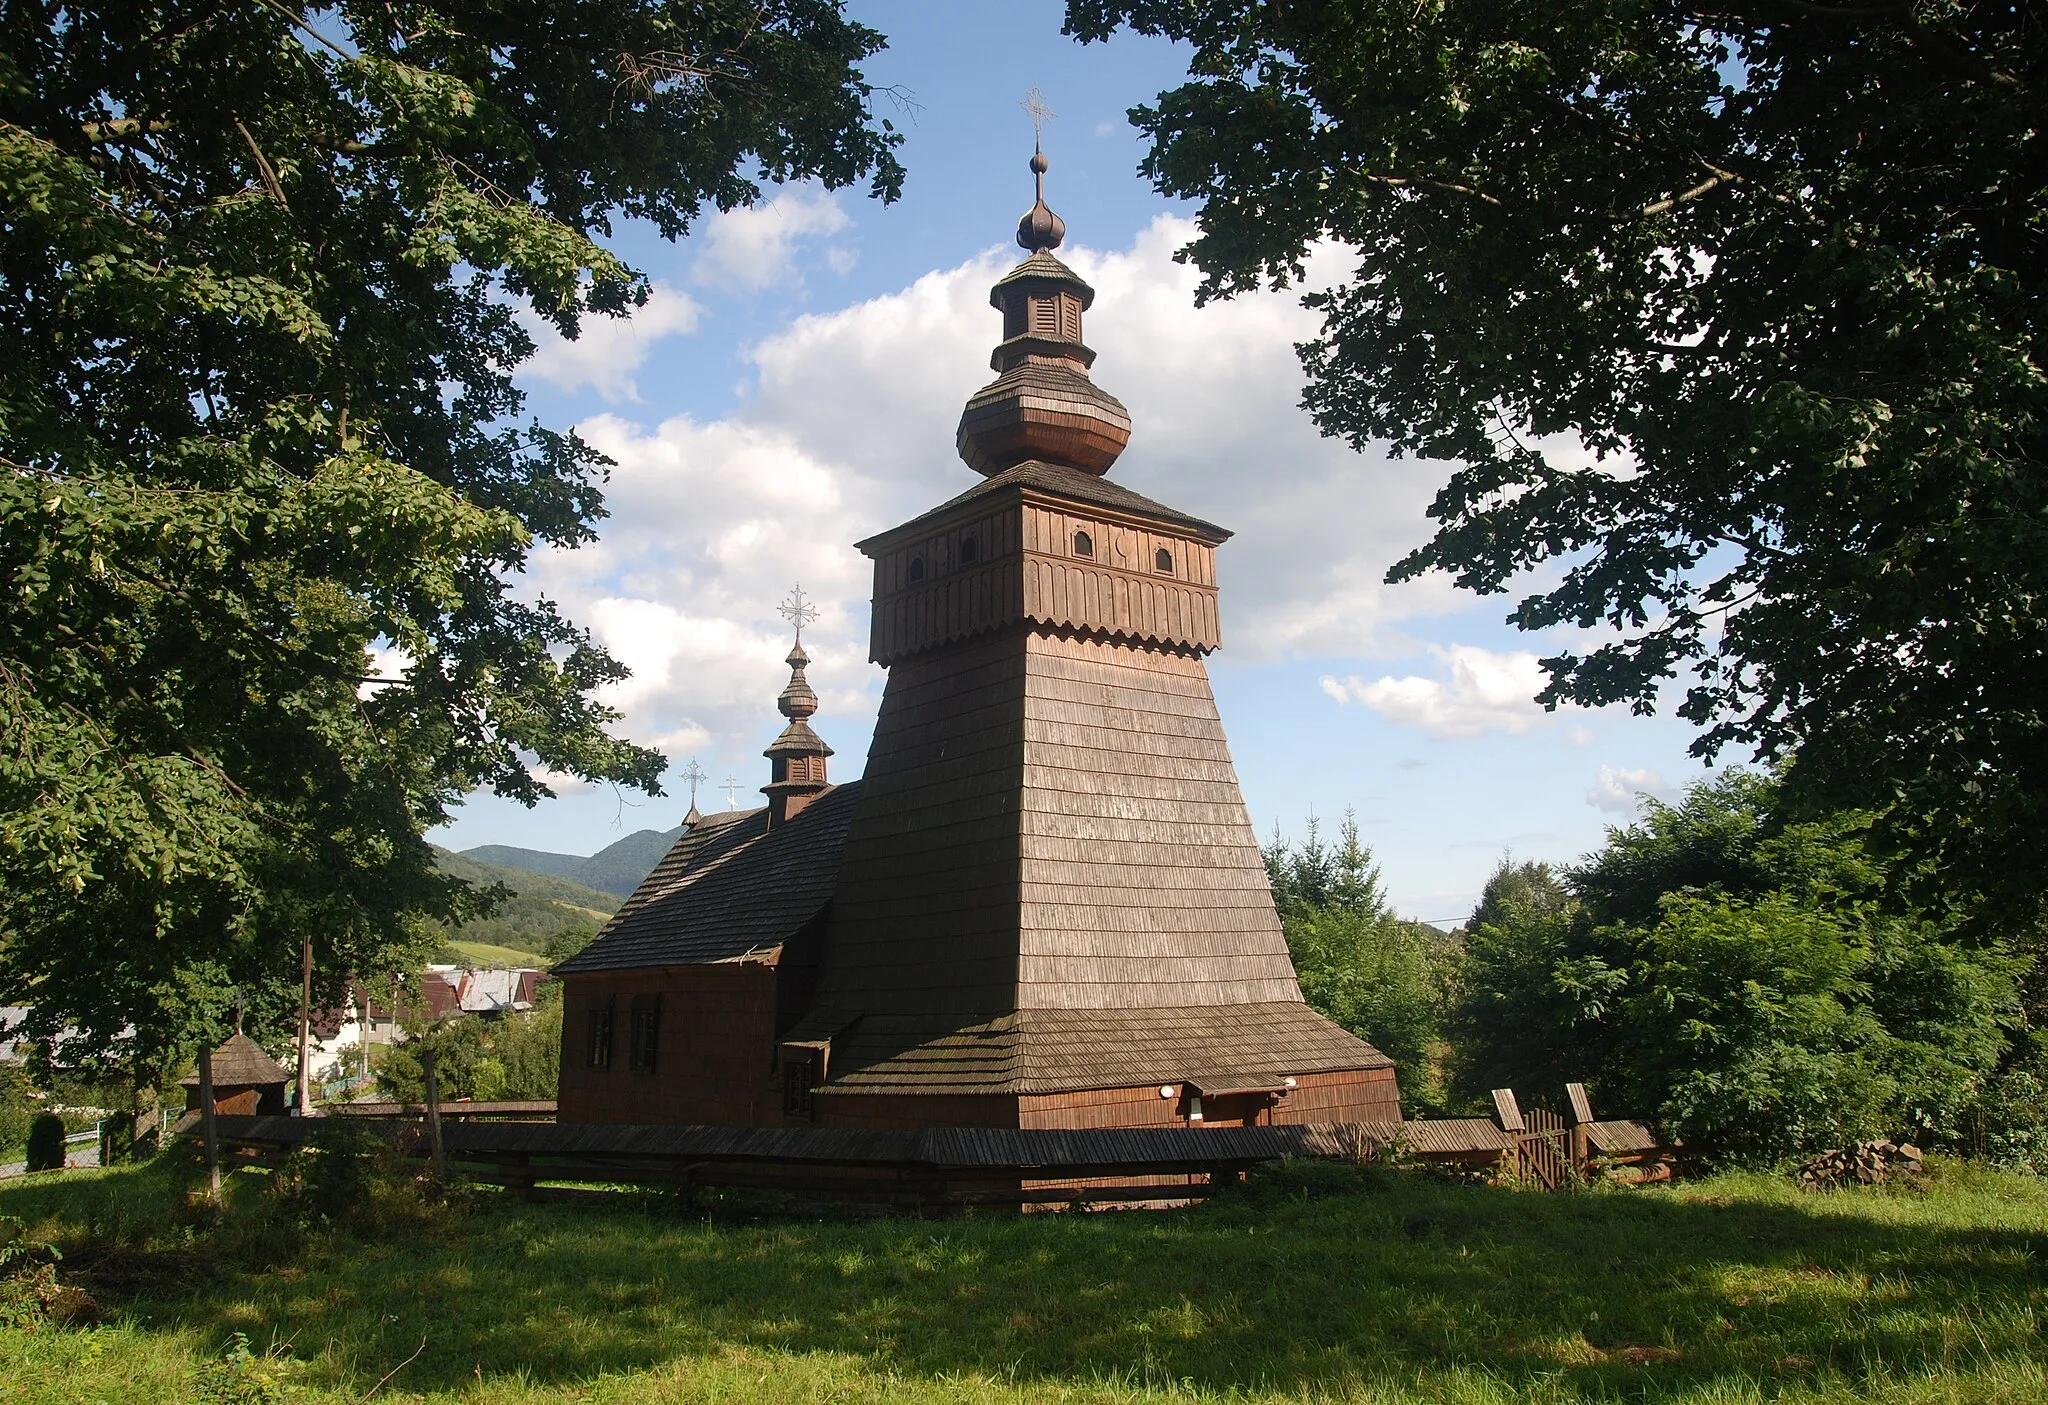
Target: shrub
x=529, y=1045
x=240, y=1377
x=46, y=1142
x=2011, y=1118
x=1749, y=983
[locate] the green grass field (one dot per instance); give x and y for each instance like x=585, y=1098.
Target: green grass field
x=487, y=954
x=1315, y=1284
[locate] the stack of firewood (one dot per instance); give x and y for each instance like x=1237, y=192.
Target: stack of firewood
x=1866, y=1163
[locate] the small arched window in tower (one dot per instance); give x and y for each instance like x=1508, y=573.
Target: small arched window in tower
x=916, y=569
x=1163, y=562
x=969, y=549
x=1084, y=545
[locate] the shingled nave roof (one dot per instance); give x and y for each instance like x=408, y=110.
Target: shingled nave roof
x=728, y=888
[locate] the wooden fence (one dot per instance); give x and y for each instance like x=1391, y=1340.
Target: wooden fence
x=909, y=1170
x=954, y=1166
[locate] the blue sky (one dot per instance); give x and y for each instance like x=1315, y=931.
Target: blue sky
x=794, y=385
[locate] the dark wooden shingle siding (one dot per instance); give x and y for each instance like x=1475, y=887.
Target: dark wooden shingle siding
x=924, y=918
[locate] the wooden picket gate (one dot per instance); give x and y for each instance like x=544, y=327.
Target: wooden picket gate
x=1543, y=1149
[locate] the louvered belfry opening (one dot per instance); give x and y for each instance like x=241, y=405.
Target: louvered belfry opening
x=1043, y=904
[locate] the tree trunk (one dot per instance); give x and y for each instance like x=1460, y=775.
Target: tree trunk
x=434, y=1118
x=305, y=1026
x=206, y=1125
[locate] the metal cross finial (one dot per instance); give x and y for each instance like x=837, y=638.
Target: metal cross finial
x=732, y=792
x=694, y=774
x=1033, y=102
x=798, y=611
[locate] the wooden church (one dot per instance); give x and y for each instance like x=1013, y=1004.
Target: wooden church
x=1043, y=904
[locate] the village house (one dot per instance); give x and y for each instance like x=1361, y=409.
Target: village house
x=1043, y=904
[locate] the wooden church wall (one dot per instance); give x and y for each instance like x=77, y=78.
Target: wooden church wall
x=714, y=1048
x=1142, y=882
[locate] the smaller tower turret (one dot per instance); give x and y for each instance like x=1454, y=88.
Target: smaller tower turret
x=796, y=759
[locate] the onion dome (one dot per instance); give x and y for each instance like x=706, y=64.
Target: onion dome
x=1042, y=405
x=1040, y=228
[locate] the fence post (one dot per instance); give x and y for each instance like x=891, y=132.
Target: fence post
x=434, y=1117
x=1582, y=1126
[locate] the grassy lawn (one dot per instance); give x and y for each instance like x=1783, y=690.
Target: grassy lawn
x=1315, y=1284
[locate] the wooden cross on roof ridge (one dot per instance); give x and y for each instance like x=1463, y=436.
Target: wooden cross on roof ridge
x=1034, y=103
x=798, y=611
x=732, y=791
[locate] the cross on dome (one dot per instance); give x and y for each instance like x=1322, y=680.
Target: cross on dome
x=798, y=611
x=1034, y=103
x=694, y=774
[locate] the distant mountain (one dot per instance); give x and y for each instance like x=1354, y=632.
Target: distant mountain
x=547, y=916
x=616, y=869
x=531, y=860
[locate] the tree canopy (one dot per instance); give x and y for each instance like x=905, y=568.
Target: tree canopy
x=266, y=483
x=1738, y=979
x=1730, y=320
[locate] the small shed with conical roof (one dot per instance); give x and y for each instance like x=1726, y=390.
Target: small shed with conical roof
x=246, y=1081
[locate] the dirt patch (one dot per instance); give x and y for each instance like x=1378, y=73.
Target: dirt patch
x=119, y=1272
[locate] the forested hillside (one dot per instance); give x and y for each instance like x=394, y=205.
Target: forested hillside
x=548, y=917
x=617, y=868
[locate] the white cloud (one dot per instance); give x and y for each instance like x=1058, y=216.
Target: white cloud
x=1475, y=691
x=1620, y=792
x=388, y=663
x=755, y=246
x=848, y=428
x=610, y=349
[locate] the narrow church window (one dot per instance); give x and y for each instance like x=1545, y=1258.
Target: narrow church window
x=969, y=549
x=601, y=1037
x=916, y=569
x=1084, y=545
x=646, y=1032
x=799, y=1076
x=1164, y=561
